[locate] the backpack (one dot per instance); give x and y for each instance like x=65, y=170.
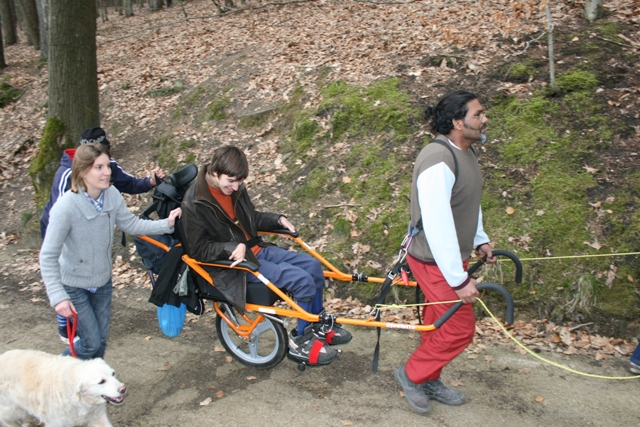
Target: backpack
x=166, y=197
x=166, y=264
x=151, y=254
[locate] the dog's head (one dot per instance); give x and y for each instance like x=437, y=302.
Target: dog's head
x=98, y=384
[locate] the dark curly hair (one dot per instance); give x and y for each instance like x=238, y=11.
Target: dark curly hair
x=452, y=106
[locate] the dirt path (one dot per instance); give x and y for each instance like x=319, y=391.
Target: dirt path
x=169, y=380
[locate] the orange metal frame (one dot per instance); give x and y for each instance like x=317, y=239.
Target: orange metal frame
x=294, y=310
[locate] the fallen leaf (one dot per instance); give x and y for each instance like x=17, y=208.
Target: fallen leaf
x=595, y=245
x=539, y=399
x=219, y=394
x=206, y=402
x=346, y=422
x=510, y=210
x=251, y=378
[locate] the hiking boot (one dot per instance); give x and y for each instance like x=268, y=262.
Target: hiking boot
x=438, y=391
x=331, y=334
x=311, y=349
x=412, y=392
x=634, y=368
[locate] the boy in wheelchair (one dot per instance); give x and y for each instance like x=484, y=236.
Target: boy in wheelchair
x=220, y=222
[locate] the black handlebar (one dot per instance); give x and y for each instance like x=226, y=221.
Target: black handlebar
x=284, y=231
x=498, y=252
x=482, y=286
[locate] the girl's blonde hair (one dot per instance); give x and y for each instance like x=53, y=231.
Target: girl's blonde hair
x=83, y=160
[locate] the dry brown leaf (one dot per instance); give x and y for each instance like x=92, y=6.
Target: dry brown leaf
x=510, y=210
x=595, y=245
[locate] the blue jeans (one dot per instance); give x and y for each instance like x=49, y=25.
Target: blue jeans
x=298, y=273
x=635, y=357
x=94, y=315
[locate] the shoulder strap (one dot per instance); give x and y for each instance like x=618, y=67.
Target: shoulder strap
x=447, y=145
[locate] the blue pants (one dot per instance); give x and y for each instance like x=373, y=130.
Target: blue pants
x=635, y=357
x=94, y=315
x=294, y=272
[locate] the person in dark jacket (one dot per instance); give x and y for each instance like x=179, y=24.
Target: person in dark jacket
x=121, y=180
x=220, y=222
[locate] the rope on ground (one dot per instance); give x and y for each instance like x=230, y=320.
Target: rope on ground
x=514, y=339
x=572, y=256
x=566, y=368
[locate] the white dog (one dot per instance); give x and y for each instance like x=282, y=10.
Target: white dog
x=60, y=391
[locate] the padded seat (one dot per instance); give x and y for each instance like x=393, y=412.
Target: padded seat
x=257, y=293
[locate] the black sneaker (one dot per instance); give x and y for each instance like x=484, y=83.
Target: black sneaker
x=331, y=334
x=308, y=348
x=413, y=393
x=437, y=391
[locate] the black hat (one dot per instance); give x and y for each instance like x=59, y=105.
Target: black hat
x=94, y=135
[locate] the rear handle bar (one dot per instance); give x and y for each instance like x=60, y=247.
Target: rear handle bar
x=482, y=286
x=499, y=252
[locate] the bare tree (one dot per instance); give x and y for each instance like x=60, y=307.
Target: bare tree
x=102, y=5
x=3, y=64
x=593, y=10
x=8, y=23
x=43, y=19
x=73, y=78
x=155, y=5
x=28, y=12
x=552, y=64
x=128, y=8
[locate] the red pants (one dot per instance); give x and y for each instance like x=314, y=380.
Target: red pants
x=440, y=346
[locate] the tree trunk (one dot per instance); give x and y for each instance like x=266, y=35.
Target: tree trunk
x=104, y=13
x=43, y=19
x=552, y=64
x=155, y=5
x=593, y=10
x=28, y=12
x=3, y=64
x=8, y=23
x=73, y=68
x=128, y=8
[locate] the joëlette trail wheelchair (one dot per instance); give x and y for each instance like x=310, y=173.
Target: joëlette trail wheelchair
x=258, y=337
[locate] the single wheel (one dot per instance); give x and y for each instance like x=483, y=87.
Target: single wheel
x=302, y=366
x=264, y=348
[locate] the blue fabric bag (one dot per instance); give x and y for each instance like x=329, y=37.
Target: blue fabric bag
x=171, y=319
